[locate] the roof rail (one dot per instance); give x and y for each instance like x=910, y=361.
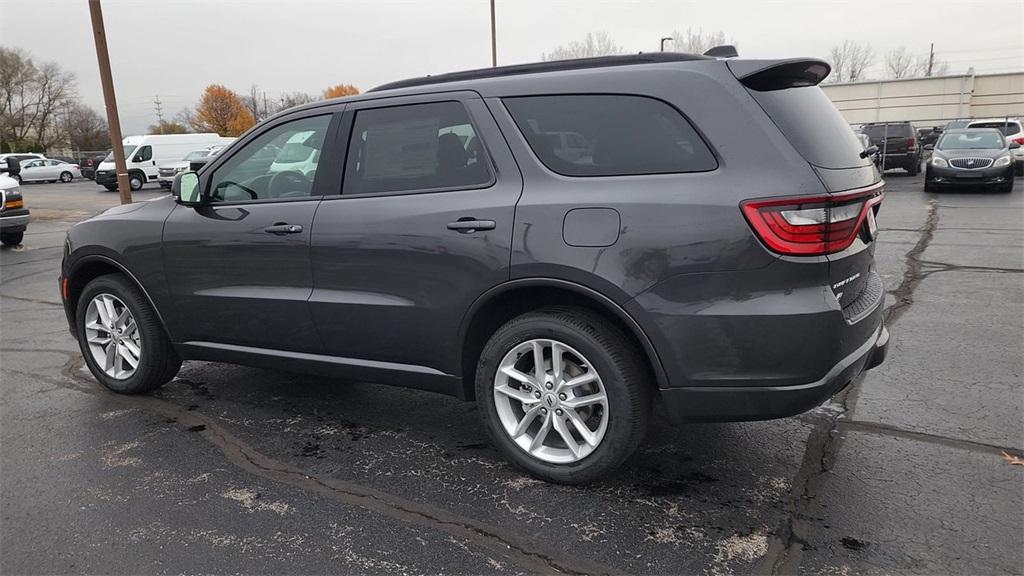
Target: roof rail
x=550, y=66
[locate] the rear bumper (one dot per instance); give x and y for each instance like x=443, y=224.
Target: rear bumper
x=736, y=403
x=14, y=220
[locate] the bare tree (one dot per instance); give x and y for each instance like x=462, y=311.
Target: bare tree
x=938, y=67
x=85, y=129
x=698, y=42
x=31, y=100
x=595, y=44
x=849, y=61
x=294, y=99
x=258, y=104
x=899, y=63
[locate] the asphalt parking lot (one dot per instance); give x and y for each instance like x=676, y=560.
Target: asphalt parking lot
x=237, y=470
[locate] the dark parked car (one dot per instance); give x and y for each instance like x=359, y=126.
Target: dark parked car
x=977, y=157
x=712, y=250
x=897, y=145
x=926, y=136
x=88, y=164
x=14, y=216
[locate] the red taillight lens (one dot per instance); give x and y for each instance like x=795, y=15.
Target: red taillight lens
x=812, y=225
x=911, y=143
x=1019, y=140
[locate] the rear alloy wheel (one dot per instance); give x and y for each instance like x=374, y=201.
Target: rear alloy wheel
x=122, y=340
x=562, y=394
x=66, y=177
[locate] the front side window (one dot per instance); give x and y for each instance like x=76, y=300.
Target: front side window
x=609, y=135
x=281, y=163
x=415, y=147
x=144, y=154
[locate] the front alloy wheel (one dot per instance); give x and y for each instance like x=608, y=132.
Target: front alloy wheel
x=551, y=401
x=113, y=336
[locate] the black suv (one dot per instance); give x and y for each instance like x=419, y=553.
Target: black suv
x=563, y=242
x=897, y=145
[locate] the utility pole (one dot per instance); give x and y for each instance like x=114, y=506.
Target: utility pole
x=100, y=36
x=494, y=39
x=159, y=114
x=931, y=59
x=663, y=42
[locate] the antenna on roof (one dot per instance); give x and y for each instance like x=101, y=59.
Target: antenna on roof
x=723, y=51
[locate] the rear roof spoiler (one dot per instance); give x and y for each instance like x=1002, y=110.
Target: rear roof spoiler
x=765, y=75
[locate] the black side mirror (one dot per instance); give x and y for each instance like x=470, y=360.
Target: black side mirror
x=869, y=151
x=1014, y=145
x=186, y=189
x=929, y=147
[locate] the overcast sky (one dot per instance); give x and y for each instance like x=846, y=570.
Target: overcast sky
x=175, y=48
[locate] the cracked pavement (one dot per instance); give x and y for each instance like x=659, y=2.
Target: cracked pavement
x=236, y=470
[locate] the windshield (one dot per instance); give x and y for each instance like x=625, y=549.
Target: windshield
x=971, y=141
x=127, y=153
x=957, y=124
x=1007, y=128
x=197, y=154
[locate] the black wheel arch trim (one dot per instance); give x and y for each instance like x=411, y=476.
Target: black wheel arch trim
x=606, y=303
x=89, y=258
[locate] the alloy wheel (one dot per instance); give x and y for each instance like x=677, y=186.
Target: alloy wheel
x=113, y=336
x=551, y=401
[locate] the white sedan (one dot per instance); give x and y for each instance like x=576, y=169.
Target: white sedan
x=48, y=170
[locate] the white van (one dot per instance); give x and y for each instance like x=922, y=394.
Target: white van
x=144, y=153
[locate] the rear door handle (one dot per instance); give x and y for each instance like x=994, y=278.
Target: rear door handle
x=281, y=228
x=466, y=226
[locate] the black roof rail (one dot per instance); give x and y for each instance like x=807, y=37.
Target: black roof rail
x=723, y=51
x=550, y=66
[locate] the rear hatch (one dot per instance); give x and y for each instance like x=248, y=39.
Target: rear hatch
x=788, y=93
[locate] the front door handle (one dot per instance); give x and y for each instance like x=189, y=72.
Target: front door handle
x=281, y=229
x=467, y=225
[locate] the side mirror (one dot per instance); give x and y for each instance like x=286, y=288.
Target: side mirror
x=1014, y=145
x=869, y=151
x=929, y=147
x=186, y=189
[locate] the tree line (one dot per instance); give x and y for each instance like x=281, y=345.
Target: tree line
x=851, y=61
x=229, y=113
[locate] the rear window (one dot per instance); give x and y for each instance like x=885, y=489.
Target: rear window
x=813, y=126
x=606, y=135
x=879, y=131
x=1007, y=128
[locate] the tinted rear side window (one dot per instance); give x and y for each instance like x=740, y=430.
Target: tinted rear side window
x=813, y=126
x=609, y=135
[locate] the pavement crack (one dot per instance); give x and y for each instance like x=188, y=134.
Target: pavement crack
x=912, y=276
x=889, y=430
x=533, y=557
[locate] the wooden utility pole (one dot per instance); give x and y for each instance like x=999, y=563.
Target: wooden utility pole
x=494, y=39
x=109, y=101
x=931, y=58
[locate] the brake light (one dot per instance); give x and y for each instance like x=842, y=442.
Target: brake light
x=1019, y=140
x=911, y=143
x=813, y=225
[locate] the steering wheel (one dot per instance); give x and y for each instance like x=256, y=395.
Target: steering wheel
x=288, y=182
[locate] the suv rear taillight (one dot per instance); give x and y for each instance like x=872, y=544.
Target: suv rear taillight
x=813, y=225
x=911, y=144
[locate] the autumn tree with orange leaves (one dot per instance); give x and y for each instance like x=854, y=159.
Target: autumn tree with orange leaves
x=340, y=90
x=222, y=111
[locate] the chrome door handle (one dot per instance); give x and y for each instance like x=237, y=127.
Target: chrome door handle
x=466, y=226
x=281, y=229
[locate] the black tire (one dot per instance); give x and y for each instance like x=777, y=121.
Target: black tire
x=621, y=369
x=1018, y=170
x=136, y=180
x=1006, y=188
x=110, y=188
x=66, y=177
x=914, y=169
x=158, y=362
x=11, y=238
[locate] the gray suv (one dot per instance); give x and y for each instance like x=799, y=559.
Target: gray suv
x=565, y=243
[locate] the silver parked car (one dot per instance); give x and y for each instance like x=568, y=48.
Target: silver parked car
x=47, y=170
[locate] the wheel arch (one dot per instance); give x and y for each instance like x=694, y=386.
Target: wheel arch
x=513, y=298
x=93, y=266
